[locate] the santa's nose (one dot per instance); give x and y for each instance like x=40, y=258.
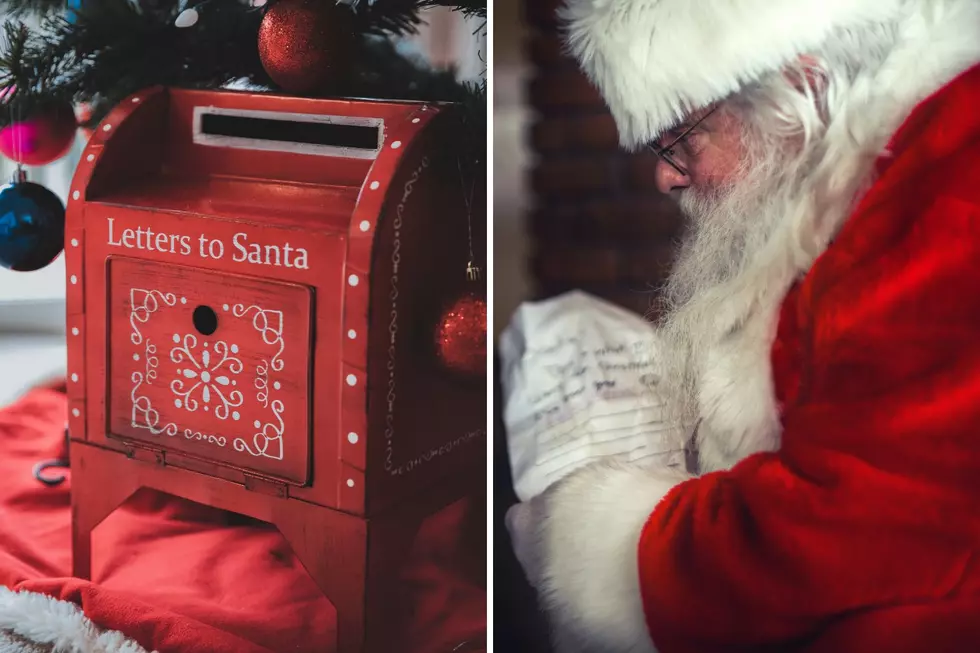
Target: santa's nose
x=669, y=179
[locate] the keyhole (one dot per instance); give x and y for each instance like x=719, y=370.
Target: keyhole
x=205, y=320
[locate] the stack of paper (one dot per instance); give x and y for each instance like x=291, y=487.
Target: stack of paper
x=580, y=379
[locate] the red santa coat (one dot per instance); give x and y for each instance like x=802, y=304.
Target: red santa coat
x=862, y=533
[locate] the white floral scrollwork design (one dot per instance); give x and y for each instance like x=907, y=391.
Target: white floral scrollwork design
x=396, y=260
x=263, y=443
x=269, y=324
x=219, y=440
x=151, y=361
x=206, y=375
x=262, y=383
x=147, y=304
x=144, y=416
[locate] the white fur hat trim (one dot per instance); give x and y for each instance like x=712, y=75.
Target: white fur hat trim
x=655, y=60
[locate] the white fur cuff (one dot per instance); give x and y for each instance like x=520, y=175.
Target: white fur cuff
x=591, y=532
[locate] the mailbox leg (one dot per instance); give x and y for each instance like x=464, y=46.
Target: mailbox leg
x=356, y=563
x=81, y=546
x=332, y=547
x=390, y=542
x=98, y=486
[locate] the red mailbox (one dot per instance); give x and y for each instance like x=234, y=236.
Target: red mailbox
x=253, y=285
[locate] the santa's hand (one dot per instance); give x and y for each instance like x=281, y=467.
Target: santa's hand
x=578, y=544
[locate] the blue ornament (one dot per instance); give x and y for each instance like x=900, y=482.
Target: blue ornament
x=71, y=16
x=32, y=226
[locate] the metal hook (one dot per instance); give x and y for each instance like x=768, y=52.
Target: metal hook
x=63, y=463
x=51, y=481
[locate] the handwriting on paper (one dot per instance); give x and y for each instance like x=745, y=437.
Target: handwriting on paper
x=581, y=384
x=582, y=371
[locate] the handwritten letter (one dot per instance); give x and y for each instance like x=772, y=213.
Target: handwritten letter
x=580, y=381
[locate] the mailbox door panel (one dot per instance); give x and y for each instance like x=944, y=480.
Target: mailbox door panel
x=211, y=365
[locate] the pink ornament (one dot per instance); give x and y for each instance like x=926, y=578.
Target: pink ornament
x=41, y=139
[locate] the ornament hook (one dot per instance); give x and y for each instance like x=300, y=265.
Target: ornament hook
x=473, y=272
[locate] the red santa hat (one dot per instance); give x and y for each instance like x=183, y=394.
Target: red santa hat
x=656, y=60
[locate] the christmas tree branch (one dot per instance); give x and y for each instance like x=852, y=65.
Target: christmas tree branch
x=386, y=16
x=476, y=8
x=109, y=49
x=24, y=8
x=116, y=45
x=13, y=60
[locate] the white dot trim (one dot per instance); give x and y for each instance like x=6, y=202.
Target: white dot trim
x=353, y=280
x=375, y=185
x=74, y=378
x=75, y=195
x=90, y=157
x=352, y=437
x=74, y=331
x=76, y=412
x=135, y=100
x=74, y=242
x=352, y=334
x=365, y=225
x=350, y=482
x=395, y=145
x=415, y=121
x=106, y=128
x=351, y=380
x=73, y=279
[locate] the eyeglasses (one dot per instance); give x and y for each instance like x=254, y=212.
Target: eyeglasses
x=667, y=152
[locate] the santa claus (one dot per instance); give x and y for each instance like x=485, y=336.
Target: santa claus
x=824, y=328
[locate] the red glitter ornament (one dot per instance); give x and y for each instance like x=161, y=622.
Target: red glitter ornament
x=44, y=137
x=305, y=45
x=461, y=335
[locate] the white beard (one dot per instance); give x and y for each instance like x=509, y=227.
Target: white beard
x=727, y=228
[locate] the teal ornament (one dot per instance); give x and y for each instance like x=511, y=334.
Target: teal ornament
x=32, y=226
x=71, y=15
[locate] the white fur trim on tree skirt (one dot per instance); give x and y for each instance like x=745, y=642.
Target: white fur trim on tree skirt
x=36, y=622
x=655, y=60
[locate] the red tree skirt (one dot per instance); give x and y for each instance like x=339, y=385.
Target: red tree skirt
x=179, y=577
